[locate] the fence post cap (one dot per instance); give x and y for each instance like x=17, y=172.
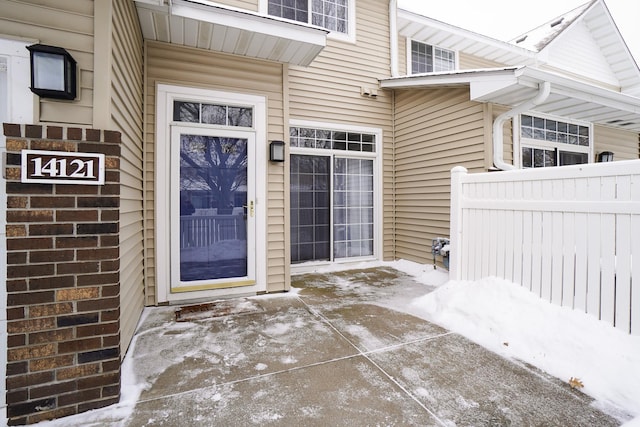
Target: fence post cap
x=459, y=169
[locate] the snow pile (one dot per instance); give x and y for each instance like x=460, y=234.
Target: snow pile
x=423, y=273
x=513, y=322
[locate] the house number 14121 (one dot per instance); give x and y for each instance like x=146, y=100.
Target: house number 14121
x=59, y=167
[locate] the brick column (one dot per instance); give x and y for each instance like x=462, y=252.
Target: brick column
x=63, y=280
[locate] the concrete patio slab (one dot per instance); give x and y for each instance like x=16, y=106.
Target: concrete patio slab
x=464, y=384
x=344, y=392
x=343, y=350
x=282, y=335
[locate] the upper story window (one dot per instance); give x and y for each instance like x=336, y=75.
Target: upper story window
x=426, y=58
x=548, y=142
x=330, y=14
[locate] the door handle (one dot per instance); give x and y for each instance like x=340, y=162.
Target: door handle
x=249, y=208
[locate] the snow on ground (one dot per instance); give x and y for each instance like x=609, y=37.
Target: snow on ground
x=500, y=316
x=513, y=322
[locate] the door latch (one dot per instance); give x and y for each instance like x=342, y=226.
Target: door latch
x=249, y=207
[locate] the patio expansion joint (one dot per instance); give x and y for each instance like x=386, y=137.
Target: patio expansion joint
x=359, y=352
x=366, y=353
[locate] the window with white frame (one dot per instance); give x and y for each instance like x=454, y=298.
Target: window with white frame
x=549, y=142
x=332, y=194
x=426, y=58
x=330, y=14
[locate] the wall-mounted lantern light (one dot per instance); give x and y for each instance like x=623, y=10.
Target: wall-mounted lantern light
x=276, y=151
x=605, y=156
x=53, y=72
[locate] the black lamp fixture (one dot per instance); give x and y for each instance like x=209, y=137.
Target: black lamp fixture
x=276, y=151
x=605, y=156
x=53, y=72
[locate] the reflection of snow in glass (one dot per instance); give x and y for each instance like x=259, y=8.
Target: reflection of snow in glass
x=228, y=249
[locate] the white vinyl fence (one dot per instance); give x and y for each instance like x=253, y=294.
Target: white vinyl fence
x=570, y=234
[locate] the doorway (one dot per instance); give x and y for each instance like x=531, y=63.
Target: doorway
x=210, y=187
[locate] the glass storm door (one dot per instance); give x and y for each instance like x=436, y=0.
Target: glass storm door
x=212, y=209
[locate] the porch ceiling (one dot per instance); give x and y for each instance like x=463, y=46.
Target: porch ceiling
x=512, y=86
x=203, y=25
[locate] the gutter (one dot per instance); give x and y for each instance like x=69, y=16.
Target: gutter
x=544, y=89
x=393, y=36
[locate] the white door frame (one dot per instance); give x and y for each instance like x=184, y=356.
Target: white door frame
x=166, y=95
x=17, y=107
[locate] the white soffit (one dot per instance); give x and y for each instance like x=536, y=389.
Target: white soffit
x=431, y=31
x=512, y=86
x=603, y=31
x=219, y=29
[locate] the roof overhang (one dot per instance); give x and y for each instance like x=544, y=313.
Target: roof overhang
x=432, y=31
x=512, y=86
x=203, y=25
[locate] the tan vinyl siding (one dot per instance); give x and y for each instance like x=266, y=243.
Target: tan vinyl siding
x=436, y=130
x=126, y=117
x=198, y=68
x=66, y=24
x=329, y=90
x=625, y=145
x=251, y=5
x=472, y=62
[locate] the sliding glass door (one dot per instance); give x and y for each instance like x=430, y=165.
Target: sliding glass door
x=332, y=207
x=352, y=207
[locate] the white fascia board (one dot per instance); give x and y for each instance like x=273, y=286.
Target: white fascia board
x=448, y=78
x=586, y=92
x=250, y=22
x=485, y=86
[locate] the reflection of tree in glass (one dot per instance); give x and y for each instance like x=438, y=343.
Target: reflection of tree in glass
x=225, y=115
x=214, y=163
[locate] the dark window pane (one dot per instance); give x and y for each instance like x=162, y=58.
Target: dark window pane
x=538, y=123
x=551, y=125
x=310, y=206
x=186, y=112
x=527, y=158
x=563, y=127
x=568, y=158
x=549, y=158
x=241, y=116
x=340, y=136
x=573, y=129
x=538, y=158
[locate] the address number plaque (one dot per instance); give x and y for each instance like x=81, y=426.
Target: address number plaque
x=60, y=167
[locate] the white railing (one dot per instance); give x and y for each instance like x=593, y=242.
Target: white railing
x=199, y=231
x=569, y=234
